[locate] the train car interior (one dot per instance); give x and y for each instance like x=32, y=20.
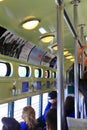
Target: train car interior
x=40, y=40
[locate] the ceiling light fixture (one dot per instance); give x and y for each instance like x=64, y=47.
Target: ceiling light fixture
x=55, y=47
x=69, y=57
x=30, y=23
x=72, y=59
x=47, y=38
x=66, y=53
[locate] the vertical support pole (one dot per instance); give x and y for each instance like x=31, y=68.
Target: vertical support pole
x=28, y=100
x=40, y=104
x=60, y=69
x=76, y=62
x=82, y=58
x=11, y=109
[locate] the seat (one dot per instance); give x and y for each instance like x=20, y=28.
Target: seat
x=76, y=124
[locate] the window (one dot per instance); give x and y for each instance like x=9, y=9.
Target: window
x=38, y=73
x=18, y=106
x=24, y=71
x=3, y=113
x=45, y=101
x=47, y=74
x=53, y=74
x=5, y=69
x=35, y=105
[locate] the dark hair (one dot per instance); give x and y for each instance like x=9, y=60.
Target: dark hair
x=69, y=106
x=51, y=118
x=52, y=95
x=10, y=123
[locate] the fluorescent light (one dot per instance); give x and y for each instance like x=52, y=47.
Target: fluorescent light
x=42, y=30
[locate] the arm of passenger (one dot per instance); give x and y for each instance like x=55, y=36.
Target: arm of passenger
x=45, y=111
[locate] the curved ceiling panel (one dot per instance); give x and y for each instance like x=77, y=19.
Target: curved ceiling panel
x=27, y=48
x=36, y=55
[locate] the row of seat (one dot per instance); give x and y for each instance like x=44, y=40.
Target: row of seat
x=76, y=123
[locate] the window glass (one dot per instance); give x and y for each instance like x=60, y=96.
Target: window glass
x=45, y=101
x=5, y=69
x=38, y=73
x=47, y=74
x=24, y=71
x=53, y=74
x=35, y=105
x=18, y=107
x=3, y=112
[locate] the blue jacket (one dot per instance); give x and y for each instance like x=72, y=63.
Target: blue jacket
x=23, y=126
x=72, y=115
x=45, y=111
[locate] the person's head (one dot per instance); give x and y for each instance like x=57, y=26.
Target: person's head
x=52, y=97
x=51, y=119
x=28, y=115
x=69, y=105
x=10, y=124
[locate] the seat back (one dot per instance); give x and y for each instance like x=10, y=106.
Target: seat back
x=76, y=124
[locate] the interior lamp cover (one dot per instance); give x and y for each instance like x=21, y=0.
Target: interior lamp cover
x=69, y=57
x=47, y=38
x=72, y=59
x=55, y=47
x=66, y=52
x=30, y=23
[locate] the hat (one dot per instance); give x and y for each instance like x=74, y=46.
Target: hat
x=52, y=95
x=10, y=123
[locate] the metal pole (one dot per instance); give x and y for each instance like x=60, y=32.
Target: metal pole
x=82, y=57
x=76, y=62
x=60, y=70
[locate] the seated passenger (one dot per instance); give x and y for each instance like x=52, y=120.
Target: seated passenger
x=29, y=123
x=51, y=119
x=10, y=124
x=69, y=107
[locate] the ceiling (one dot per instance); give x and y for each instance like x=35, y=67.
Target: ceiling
x=13, y=12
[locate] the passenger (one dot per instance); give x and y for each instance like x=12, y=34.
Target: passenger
x=51, y=119
x=69, y=107
x=29, y=123
x=52, y=103
x=10, y=124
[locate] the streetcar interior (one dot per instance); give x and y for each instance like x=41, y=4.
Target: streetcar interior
x=29, y=63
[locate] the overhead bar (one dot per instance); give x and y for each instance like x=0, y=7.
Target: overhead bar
x=71, y=27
